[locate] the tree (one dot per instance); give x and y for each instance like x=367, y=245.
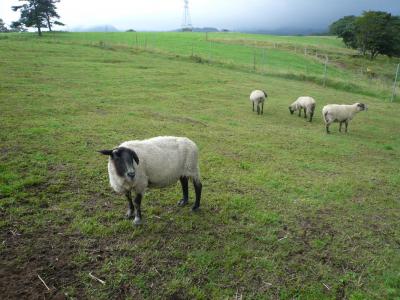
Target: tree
x=50, y=13
x=38, y=13
x=17, y=26
x=373, y=33
x=3, y=27
x=345, y=28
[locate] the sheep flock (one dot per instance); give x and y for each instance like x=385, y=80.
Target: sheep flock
x=137, y=165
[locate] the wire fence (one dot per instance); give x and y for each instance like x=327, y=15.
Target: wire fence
x=287, y=60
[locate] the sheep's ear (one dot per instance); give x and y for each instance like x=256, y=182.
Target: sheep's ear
x=135, y=157
x=106, y=152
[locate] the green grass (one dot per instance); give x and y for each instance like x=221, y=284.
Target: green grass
x=293, y=57
x=287, y=211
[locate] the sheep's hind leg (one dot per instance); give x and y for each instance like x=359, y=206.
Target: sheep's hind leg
x=347, y=124
x=129, y=213
x=138, y=212
x=327, y=128
x=300, y=112
x=258, y=108
x=185, y=190
x=197, y=188
x=262, y=108
x=253, y=106
x=340, y=126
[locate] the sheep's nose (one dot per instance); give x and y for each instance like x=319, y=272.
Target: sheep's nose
x=131, y=174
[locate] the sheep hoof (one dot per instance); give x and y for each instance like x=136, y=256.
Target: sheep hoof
x=137, y=221
x=183, y=202
x=129, y=214
x=195, y=208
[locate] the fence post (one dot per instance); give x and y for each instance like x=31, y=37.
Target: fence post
x=305, y=51
x=136, y=40
x=395, y=83
x=209, y=51
x=192, y=49
x=326, y=63
x=264, y=60
x=254, y=59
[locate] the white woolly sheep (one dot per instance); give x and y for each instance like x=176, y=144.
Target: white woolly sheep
x=306, y=103
x=258, y=97
x=341, y=113
x=156, y=162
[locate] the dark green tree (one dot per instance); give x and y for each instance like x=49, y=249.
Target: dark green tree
x=3, y=27
x=17, y=26
x=38, y=13
x=374, y=34
x=345, y=28
x=50, y=13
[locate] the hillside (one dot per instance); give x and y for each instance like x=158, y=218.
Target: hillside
x=287, y=210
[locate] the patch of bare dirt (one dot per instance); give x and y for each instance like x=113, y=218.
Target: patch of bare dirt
x=47, y=254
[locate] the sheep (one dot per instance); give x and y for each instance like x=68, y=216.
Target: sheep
x=156, y=162
x=258, y=97
x=306, y=103
x=341, y=113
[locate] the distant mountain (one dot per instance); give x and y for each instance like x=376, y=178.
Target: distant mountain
x=201, y=29
x=98, y=28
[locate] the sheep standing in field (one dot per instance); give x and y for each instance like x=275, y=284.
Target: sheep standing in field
x=341, y=113
x=258, y=97
x=156, y=162
x=306, y=103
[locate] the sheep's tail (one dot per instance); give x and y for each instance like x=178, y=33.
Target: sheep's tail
x=325, y=114
x=265, y=94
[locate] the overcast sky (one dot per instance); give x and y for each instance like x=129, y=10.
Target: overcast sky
x=230, y=14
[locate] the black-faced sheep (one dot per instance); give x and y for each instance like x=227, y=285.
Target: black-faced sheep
x=306, y=103
x=156, y=162
x=258, y=97
x=341, y=113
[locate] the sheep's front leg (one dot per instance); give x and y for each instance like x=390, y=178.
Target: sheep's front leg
x=347, y=124
x=129, y=213
x=185, y=190
x=305, y=113
x=340, y=126
x=262, y=108
x=300, y=112
x=311, y=115
x=138, y=213
x=258, y=108
x=253, y=106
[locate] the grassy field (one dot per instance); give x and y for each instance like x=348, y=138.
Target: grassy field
x=287, y=210
x=293, y=57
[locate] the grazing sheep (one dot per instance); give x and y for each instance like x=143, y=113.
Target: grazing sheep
x=341, y=113
x=156, y=162
x=258, y=97
x=306, y=103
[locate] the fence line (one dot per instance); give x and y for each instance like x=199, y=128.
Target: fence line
x=257, y=62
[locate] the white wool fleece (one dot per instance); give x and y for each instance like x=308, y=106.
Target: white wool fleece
x=162, y=161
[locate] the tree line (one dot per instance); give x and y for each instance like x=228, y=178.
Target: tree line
x=372, y=33
x=34, y=13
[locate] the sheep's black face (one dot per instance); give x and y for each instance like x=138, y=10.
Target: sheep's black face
x=291, y=110
x=122, y=158
x=361, y=106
